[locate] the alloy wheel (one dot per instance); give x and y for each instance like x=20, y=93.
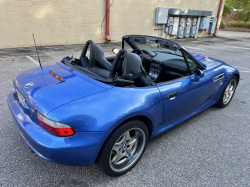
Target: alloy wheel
x=127, y=149
x=228, y=94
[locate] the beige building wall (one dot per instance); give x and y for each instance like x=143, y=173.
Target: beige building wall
x=62, y=22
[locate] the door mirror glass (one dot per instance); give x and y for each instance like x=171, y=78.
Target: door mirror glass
x=115, y=50
x=198, y=74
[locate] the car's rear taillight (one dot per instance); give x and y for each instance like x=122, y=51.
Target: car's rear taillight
x=59, y=129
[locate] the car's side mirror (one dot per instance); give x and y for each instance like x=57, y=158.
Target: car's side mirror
x=115, y=50
x=198, y=74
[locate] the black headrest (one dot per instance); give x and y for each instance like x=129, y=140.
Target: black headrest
x=136, y=71
x=98, y=51
x=135, y=63
x=132, y=68
x=100, y=60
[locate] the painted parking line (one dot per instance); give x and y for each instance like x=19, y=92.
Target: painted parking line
x=17, y=56
x=53, y=47
x=241, y=67
x=244, y=71
x=193, y=47
x=247, y=48
x=32, y=60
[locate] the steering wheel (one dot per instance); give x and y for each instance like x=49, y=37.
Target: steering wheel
x=140, y=51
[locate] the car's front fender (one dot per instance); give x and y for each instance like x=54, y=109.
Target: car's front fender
x=218, y=86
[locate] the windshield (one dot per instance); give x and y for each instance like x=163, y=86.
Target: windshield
x=127, y=46
x=154, y=45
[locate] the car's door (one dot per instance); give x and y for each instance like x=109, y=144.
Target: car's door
x=184, y=95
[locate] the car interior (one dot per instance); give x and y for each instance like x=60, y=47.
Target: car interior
x=138, y=68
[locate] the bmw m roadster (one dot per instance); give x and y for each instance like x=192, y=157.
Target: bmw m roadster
x=103, y=110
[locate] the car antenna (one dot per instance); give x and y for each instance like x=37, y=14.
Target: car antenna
x=37, y=52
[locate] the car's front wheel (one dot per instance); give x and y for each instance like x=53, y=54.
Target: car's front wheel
x=124, y=148
x=228, y=92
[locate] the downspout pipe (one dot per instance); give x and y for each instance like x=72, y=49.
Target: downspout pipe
x=107, y=20
x=218, y=16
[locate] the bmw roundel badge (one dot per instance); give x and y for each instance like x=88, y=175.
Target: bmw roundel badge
x=28, y=85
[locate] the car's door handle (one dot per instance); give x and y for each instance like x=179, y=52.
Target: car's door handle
x=171, y=95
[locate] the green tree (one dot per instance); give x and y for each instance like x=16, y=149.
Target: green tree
x=242, y=5
x=244, y=10
x=228, y=8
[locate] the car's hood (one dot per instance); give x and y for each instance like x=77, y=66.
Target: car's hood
x=48, y=93
x=208, y=61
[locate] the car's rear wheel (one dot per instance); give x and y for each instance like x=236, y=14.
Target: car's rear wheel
x=228, y=92
x=124, y=148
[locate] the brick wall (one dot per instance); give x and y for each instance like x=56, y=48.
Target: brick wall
x=60, y=22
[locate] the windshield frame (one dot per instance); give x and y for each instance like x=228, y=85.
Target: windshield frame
x=152, y=38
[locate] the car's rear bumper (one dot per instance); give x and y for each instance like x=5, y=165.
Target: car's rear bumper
x=80, y=149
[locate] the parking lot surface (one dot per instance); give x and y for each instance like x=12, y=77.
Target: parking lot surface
x=233, y=34
x=210, y=149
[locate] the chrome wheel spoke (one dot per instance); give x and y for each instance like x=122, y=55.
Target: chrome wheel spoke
x=119, y=143
x=122, y=139
x=117, y=159
x=117, y=147
x=127, y=136
x=122, y=161
x=129, y=152
x=225, y=97
x=225, y=100
x=131, y=147
x=228, y=94
x=132, y=142
x=231, y=88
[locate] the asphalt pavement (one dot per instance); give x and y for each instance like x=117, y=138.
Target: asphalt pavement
x=210, y=149
x=233, y=34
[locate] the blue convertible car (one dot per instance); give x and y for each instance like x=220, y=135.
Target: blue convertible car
x=104, y=110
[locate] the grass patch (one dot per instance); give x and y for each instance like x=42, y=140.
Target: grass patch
x=239, y=29
x=240, y=24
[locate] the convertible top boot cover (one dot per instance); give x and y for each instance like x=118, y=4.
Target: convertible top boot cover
x=48, y=92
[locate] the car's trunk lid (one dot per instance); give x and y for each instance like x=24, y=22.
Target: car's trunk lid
x=48, y=92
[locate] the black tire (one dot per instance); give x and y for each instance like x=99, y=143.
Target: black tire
x=105, y=161
x=220, y=103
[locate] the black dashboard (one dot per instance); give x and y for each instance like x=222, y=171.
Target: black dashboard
x=158, y=63
x=147, y=55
